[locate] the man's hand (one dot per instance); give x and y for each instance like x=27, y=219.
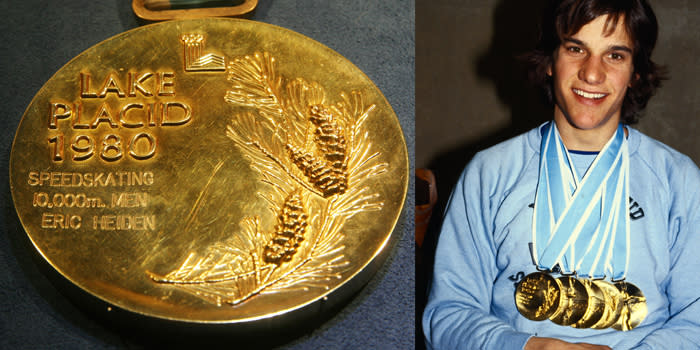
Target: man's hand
x=537, y=343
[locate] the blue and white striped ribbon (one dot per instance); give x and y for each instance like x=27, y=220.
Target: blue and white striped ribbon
x=582, y=224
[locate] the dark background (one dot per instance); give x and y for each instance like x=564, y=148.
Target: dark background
x=471, y=93
x=39, y=37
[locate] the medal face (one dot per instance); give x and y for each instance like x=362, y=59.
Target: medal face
x=613, y=306
x=573, y=302
x=595, y=309
x=537, y=296
x=634, y=307
x=210, y=171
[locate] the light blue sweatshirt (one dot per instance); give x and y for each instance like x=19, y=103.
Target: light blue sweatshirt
x=483, y=251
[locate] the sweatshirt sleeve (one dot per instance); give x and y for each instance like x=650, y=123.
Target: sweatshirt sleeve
x=457, y=315
x=682, y=329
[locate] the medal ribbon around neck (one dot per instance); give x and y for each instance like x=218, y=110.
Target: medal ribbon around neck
x=582, y=224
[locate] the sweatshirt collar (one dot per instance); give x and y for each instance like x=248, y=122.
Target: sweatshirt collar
x=534, y=138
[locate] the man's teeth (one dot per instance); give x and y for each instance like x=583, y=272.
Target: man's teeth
x=588, y=94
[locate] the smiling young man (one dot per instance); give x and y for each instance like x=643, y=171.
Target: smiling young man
x=582, y=233
x=591, y=73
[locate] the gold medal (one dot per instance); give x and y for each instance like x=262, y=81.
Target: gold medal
x=633, y=307
x=573, y=302
x=537, y=296
x=596, y=305
x=211, y=171
x=613, y=306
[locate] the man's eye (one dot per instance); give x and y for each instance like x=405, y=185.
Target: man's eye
x=617, y=56
x=574, y=49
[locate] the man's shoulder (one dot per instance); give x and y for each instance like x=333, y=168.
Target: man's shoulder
x=507, y=159
x=667, y=164
x=657, y=153
x=524, y=144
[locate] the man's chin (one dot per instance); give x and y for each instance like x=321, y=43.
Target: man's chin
x=589, y=123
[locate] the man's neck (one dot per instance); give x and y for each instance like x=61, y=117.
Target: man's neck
x=592, y=140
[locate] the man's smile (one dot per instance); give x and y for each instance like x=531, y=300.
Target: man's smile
x=590, y=95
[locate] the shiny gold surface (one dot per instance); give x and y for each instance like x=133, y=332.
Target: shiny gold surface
x=613, y=306
x=573, y=302
x=596, y=306
x=634, y=307
x=210, y=171
x=537, y=296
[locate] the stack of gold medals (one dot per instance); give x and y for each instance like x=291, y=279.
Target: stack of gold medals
x=563, y=228
x=580, y=302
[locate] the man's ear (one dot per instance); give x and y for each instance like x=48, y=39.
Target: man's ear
x=550, y=63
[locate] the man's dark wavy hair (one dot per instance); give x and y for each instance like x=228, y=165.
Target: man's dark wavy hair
x=564, y=18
